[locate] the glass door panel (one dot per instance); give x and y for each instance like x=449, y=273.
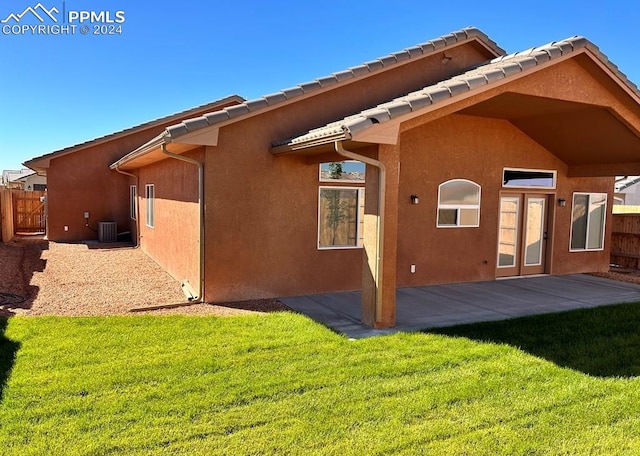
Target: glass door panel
x=508, y=232
x=535, y=231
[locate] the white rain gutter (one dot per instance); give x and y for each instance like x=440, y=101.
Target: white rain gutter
x=200, y=165
x=377, y=277
x=137, y=205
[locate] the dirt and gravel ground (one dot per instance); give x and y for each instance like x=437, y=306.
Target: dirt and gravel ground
x=47, y=278
x=621, y=274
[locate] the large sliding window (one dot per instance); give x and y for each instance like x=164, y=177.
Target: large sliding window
x=588, y=221
x=150, y=194
x=340, y=217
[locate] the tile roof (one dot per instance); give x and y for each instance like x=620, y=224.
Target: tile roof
x=130, y=130
x=497, y=69
x=226, y=114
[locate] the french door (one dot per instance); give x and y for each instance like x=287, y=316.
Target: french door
x=522, y=234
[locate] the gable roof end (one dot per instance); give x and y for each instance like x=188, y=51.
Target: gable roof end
x=499, y=68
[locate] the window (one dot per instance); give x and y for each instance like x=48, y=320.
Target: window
x=529, y=178
x=458, y=204
x=133, y=202
x=588, y=221
x=340, y=217
x=150, y=190
x=343, y=171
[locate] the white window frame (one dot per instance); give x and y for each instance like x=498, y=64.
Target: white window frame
x=604, y=223
x=531, y=170
x=359, y=234
x=457, y=207
x=133, y=202
x=150, y=194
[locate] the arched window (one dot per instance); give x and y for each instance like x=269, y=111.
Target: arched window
x=458, y=204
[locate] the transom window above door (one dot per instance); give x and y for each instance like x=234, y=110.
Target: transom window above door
x=528, y=178
x=458, y=204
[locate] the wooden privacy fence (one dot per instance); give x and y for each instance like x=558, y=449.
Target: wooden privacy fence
x=625, y=240
x=6, y=215
x=28, y=211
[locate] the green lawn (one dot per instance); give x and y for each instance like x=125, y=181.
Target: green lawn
x=281, y=384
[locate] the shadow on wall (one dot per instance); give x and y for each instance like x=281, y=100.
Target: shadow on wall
x=601, y=342
x=8, y=350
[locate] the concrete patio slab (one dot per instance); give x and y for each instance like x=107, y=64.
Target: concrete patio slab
x=435, y=306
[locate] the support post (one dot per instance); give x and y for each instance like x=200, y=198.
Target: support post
x=380, y=232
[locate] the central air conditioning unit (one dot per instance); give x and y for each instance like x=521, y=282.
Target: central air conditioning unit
x=107, y=231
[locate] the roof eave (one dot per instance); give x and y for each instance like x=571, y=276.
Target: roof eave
x=41, y=163
x=261, y=105
x=146, y=148
x=311, y=143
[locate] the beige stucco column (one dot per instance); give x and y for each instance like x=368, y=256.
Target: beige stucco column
x=379, y=272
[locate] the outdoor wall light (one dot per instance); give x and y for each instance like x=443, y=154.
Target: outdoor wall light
x=562, y=202
x=414, y=199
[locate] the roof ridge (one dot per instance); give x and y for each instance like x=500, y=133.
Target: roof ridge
x=482, y=74
x=428, y=47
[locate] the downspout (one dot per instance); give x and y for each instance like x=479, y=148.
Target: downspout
x=137, y=204
x=200, y=165
x=379, y=224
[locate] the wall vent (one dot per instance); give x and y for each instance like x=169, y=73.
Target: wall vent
x=107, y=231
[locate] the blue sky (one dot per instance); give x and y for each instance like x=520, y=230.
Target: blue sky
x=56, y=91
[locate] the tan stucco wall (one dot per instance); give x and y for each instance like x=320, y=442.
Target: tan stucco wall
x=262, y=210
x=262, y=230
x=173, y=242
x=477, y=149
x=82, y=181
x=262, y=216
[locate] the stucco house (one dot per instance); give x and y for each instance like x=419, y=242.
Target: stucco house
x=17, y=179
x=32, y=182
x=457, y=162
x=80, y=183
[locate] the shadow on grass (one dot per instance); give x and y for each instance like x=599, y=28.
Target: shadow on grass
x=8, y=350
x=602, y=342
